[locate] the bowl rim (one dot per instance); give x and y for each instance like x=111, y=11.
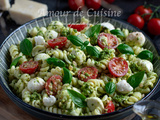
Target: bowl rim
x=20, y=101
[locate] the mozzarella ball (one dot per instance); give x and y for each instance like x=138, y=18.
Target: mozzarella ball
x=43, y=29
x=123, y=87
x=39, y=40
x=49, y=101
x=146, y=65
x=36, y=84
x=108, y=25
x=50, y=34
x=83, y=37
x=55, y=25
x=41, y=56
x=135, y=38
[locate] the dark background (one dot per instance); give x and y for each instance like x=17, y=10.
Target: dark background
x=128, y=7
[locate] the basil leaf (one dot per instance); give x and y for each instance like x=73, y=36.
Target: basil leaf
x=15, y=61
x=93, y=51
x=110, y=87
x=93, y=30
x=86, y=43
x=118, y=33
x=146, y=54
x=75, y=40
x=136, y=79
x=56, y=62
x=125, y=49
x=77, y=98
x=67, y=78
x=26, y=47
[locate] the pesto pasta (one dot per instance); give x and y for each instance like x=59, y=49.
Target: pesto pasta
x=94, y=64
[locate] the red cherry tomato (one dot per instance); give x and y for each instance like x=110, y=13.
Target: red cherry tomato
x=95, y=4
x=53, y=84
x=29, y=67
x=118, y=67
x=76, y=4
x=60, y=42
x=110, y=107
x=154, y=26
x=136, y=20
x=87, y=73
x=141, y=10
x=78, y=27
x=109, y=1
x=112, y=41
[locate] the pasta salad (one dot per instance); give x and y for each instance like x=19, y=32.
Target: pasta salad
x=81, y=69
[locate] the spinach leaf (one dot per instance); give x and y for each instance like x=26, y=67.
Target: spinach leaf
x=93, y=51
x=110, y=87
x=67, y=78
x=93, y=30
x=146, y=54
x=136, y=79
x=118, y=33
x=77, y=98
x=75, y=40
x=15, y=61
x=26, y=47
x=56, y=62
x=125, y=49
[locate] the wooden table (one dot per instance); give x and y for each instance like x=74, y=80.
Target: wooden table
x=10, y=111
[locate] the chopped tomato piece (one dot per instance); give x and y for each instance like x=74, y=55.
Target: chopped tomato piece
x=110, y=107
x=87, y=73
x=29, y=67
x=53, y=84
x=118, y=67
x=106, y=40
x=78, y=27
x=60, y=42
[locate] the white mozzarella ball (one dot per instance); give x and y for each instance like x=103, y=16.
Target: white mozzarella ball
x=94, y=102
x=50, y=34
x=36, y=84
x=41, y=56
x=49, y=101
x=57, y=23
x=108, y=25
x=39, y=40
x=135, y=38
x=146, y=65
x=123, y=87
x=83, y=37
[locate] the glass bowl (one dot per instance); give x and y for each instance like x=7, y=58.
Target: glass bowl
x=20, y=33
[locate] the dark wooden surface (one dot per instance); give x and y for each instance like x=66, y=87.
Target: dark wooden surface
x=9, y=111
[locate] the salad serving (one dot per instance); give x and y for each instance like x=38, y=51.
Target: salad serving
x=81, y=69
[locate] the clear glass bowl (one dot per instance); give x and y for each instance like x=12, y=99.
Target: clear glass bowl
x=20, y=33
x=147, y=109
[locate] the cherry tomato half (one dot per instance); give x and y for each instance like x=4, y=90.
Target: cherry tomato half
x=109, y=1
x=110, y=107
x=118, y=67
x=29, y=67
x=78, y=27
x=154, y=26
x=136, y=20
x=141, y=10
x=60, y=42
x=87, y=73
x=53, y=84
x=95, y=4
x=107, y=40
x=76, y=4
